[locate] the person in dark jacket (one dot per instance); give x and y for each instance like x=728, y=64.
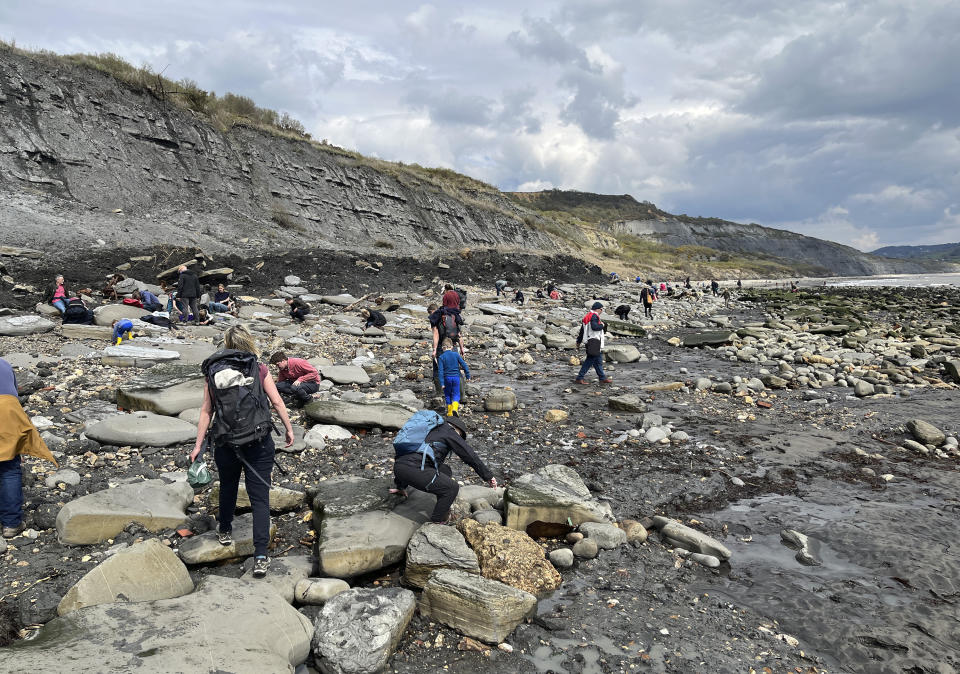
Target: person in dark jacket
x=519, y=298
x=437, y=478
x=623, y=312
x=298, y=308
x=57, y=294
x=374, y=318
x=647, y=297
x=188, y=292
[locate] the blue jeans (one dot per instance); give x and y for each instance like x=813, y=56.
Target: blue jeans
x=596, y=362
x=11, y=493
x=60, y=305
x=218, y=308
x=260, y=457
x=451, y=388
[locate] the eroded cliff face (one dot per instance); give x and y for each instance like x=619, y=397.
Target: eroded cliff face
x=85, y=158
x=833, y=257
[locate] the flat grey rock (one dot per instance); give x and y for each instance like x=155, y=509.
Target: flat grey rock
x=681, y=536
x=554, y=494
x=284, y=574
x=167, y=389
x=498, y=309
x=96, y=517
x=205, y=631
x=313, y=591
x=142, y=429
x=206, y=548
x=366, y=414
x=19, y=326
x=345, y=374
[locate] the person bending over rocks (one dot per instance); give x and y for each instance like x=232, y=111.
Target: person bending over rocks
x=298, y=308
x=122, y=329
x=433, y=476
x=296, y=377
x=623, y=312
x=57, y=294
x=374, y=318
x=17, y=436
x=240, y=425
x=519, y=298
x=501, y=286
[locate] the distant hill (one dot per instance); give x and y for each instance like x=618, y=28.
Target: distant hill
x=948, y=252
x=752, y=248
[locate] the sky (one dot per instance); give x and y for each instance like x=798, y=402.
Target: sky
x=839, y=120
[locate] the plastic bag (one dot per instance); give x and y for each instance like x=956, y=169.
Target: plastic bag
x=198, y=475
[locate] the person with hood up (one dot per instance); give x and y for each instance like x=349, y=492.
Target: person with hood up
x=592, y=332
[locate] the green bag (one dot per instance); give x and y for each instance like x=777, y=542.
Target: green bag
x=198, y=475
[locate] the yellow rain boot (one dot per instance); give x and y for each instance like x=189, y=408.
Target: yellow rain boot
x=455, y=410
x=119, y=339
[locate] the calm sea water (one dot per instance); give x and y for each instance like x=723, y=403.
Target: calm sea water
x=912, y=280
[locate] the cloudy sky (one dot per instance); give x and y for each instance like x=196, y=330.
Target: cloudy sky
x=834, y=119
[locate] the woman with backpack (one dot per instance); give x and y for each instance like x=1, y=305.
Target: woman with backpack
x=242, y=442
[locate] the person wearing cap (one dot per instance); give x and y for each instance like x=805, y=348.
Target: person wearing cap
x=411, y=470
x=592, y=332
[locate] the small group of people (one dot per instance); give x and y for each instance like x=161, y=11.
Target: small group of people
x=446, y=322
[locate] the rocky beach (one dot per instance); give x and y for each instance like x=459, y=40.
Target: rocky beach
x=770, y=483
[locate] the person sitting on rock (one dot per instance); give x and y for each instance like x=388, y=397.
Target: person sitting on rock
x=77, y=313
x=623, y=312
x=57, y=294
x=519, y=298
x=222, y=301
x=18, y=436
x=448, y=369
x=204, y=317
x=296, y=377
x=298, y=308
x=254, y=459
x=592, y=332
x=122, y=329
x=433, y=476
x=374, y=318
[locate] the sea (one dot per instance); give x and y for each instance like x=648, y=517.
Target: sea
x=902, y=280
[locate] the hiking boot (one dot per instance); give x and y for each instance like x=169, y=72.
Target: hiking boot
x=580, y=381
x=13, y=532
x=608, y=380
x=225, y=537
x=260, y=566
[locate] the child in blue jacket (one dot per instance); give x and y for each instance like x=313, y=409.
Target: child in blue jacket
x=448, y=367
x=122, y=329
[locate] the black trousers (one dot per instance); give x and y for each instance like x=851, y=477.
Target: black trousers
x=407, y=473
x=303, y=393
x=259, y=456
x=298, y=314
x=648, y=310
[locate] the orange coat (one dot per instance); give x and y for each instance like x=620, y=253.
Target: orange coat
x=17, y=434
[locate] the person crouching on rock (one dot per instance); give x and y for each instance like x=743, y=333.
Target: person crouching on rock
x=237, y=394
x=623, y=312
x=296, y=377
x=519, y=298
x=122, y=329
x=449, y=364
x=17, y=436
x=298, y=308
x=433, y=476
x=374, y=318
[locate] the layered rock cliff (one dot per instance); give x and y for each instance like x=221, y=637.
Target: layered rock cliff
x=85, y=158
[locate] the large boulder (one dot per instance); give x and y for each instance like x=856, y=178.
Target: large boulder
x=281, y=498
x=227, y=625
x=510, y=557
x=142, y=429
x=624, y=328
x=145, y=571
x=339, y=300
x=109, y=313
x=926, y=432
x=165, y=389
x=556, y=494
x=436, y=546
x=710, y=338
x=19, y=326
x=358, y=630
x=475, y=606
x=952, y=370
x=554, y=340
x=76, y=331
x=500, y=400
x=375, y=413
x=96, y=517
x=498, y=309
x=621, y=353
x=345, y=374
x=628, y=402
x=205, y=548
x=681, y=536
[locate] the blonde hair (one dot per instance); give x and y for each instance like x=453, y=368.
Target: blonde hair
x=447, y=344
x=239, y=338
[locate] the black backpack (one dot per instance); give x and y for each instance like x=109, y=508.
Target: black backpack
x=449, y=327
x=241, y=409
x=463, y=297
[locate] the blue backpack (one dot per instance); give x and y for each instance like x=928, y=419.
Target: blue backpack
x=412, y=437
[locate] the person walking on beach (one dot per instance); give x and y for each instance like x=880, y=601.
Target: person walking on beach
x=715, y=288
x=592, y=332
x=647, y=296
x=237, y=395
x=18, y=436
x=448, y=365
